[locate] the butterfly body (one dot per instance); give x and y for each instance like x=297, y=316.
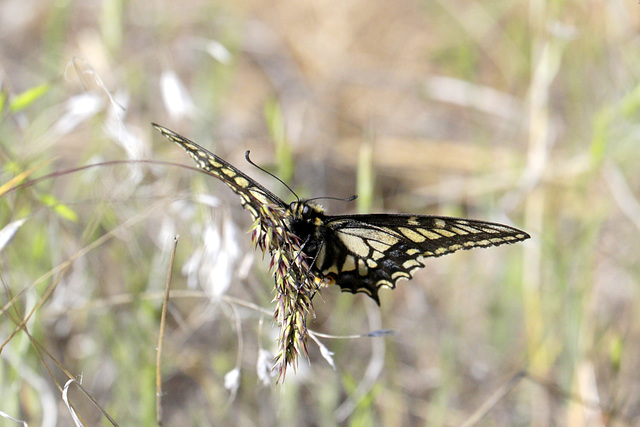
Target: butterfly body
x=360, y=253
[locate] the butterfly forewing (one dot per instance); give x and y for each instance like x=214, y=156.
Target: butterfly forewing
x=252, y=194
x=363, y=253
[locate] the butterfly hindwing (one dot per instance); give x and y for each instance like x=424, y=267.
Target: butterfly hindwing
x=363, y=253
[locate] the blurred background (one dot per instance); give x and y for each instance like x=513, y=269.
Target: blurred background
x=524, y=113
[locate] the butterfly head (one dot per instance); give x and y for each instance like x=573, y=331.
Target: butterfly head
x=307, y=212
x=305, y=218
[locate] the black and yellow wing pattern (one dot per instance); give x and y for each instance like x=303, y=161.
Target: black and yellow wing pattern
x=252, y=195
x=363, y=253
x=360, y=253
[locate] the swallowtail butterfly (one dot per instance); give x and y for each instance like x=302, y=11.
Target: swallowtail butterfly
x=359, y=253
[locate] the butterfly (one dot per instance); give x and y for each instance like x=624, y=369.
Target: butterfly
x=361, y=252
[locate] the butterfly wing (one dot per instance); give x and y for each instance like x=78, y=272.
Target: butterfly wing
x=363, y=253
x=252, y=194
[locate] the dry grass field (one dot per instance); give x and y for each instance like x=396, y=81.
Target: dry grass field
x=524, y=113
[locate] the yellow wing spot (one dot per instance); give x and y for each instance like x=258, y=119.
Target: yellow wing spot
x=463, y=226
x=459, y=231
x=376, y=255
x=429, y=234
x=386, y=283
x=242, y=182
x=362, y=268
x=413, y=251
x=439, y=223
x=470, y=243
x=349, y=263
x=371, y=263
x=497, y=240
x=413, y=221
x=440, y=251
x=355, y=244
x=331, y=270
x=409, y=264
x=260, y=197
x=412, y=235
x=489, y=230
x=455, y=247
x=372, y=234
x=446, y=233
x=228, y=172
x=379, y=246
x=483, y=243
x=386, y=238
x=365, y=290
x=400, y=275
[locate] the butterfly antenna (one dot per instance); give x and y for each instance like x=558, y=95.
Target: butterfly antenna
x=348, y=199
x=246, y=156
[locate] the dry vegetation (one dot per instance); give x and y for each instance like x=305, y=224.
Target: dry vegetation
x=519, y=112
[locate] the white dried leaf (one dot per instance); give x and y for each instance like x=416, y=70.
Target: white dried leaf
x=78, y=109
x=327, y=355
x=214, y=48
x=324, y=351
x=264, y=367
x=10, y=230
x=232, y=380
x=218, y=51
x=176, y=98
